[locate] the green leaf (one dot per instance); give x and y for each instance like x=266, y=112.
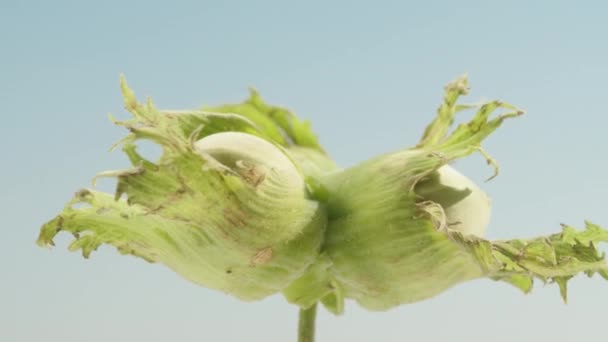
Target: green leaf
x=278, y=124
x=555, y=258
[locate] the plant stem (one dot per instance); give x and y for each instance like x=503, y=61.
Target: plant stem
x=306, y=324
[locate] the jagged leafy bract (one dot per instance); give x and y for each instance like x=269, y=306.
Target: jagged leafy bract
x=313, y=232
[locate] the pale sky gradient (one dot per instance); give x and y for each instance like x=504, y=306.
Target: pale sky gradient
x=369, y=75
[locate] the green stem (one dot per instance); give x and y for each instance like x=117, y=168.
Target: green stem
x=306, y=325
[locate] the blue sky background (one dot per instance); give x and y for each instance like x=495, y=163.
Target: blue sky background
x=369, y=75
